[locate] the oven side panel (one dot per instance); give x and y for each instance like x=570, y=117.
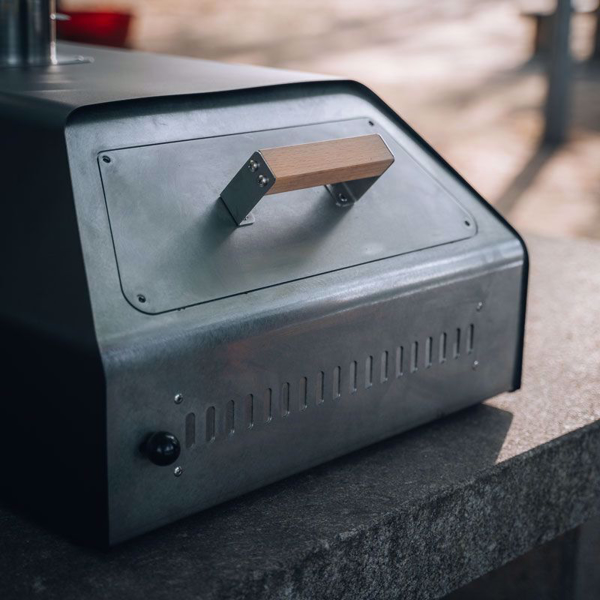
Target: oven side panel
x=53, y=404
x=269, y=396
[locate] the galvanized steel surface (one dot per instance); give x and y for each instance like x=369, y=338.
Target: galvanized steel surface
x=268, y=374
x=281, y=378
x=176, y=245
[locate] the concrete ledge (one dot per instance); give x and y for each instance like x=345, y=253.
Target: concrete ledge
x=416, y=516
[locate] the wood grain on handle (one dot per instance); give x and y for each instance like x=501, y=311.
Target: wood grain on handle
x=324, y=163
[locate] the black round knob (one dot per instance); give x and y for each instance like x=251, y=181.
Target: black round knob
x=162, y=448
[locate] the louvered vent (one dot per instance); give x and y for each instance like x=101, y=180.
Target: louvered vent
x=405, y=360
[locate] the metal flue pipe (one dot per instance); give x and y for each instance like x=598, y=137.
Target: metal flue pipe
x=27, y=33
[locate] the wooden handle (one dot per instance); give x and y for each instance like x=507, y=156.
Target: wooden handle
x=326, y=163
x=333, y=163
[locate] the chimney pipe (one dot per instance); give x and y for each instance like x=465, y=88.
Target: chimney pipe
x=27, y=33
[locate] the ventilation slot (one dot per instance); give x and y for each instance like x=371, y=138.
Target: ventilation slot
x=269, y=405
x=353, y=376
x=190, y=430
x=210, y=423
x=414, y=357
x=443, y=346
x=303, y=393
x=369, y=372
x=337, y=383
x=470, y=338
x=285, y=399
x=230, y=418
x=399, y=361
x=457, y=344
x=320, y=387
x=429, y=352
x=384, y=366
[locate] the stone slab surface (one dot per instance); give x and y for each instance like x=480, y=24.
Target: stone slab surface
x=414, y=517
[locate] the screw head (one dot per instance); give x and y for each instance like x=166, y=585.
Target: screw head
x=106, y=158
x=479, y=306
x=343, y=199
x=178, y=471
x=178, y=399
x=262, y=180
x=141, y=298
x=253, y=165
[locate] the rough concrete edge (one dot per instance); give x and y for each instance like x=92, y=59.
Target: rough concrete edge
x=392, y=557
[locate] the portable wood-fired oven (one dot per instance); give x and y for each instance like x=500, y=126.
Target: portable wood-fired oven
x=216, y=276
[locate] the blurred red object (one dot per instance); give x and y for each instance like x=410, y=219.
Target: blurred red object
x=95, y=27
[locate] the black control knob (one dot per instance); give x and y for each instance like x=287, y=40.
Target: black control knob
x=162, y=448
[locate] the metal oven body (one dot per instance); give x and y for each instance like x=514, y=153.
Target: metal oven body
x=132, y=303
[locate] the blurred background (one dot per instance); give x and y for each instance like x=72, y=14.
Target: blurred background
x=508, y=91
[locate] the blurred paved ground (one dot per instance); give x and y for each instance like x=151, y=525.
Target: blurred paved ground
x=459, y=72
